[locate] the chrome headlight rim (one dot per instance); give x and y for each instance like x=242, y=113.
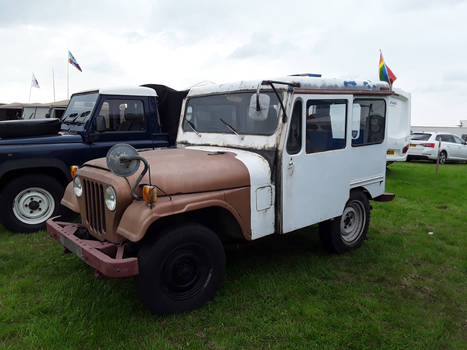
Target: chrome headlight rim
x=110, y=198
x=77, y=186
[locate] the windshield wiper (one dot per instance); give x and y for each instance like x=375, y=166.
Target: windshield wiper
x=66, y=120
x=192, y=126
x=229, y=126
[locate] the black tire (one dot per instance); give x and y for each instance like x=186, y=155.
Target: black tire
x=181, y=270
x=15, y=195
x=347, y=232
x=443, y=157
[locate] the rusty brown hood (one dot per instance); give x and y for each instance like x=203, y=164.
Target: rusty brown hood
x=182, y=170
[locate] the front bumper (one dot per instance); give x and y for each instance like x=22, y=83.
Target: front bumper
x=107, y=258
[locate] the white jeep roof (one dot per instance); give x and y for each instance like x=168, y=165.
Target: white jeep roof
x=305, y=83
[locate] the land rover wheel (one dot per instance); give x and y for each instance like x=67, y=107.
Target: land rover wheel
x=348, y=231
x=27, y=202
x=181, y=270
x=443, y=157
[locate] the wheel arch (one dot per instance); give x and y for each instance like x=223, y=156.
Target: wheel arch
x=220, y=220
x=362, y=189
x=215, y=214
x=12, y=170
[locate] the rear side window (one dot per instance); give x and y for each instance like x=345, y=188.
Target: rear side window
x=326, y=122
x=420, y=137
x=368, y=122
x=445, y=138
x=458, y=140
x=121, y=115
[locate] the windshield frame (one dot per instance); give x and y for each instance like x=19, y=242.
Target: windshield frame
x=73, y=125
x=228, y=131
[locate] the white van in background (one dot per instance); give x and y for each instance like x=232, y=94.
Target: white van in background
x=398, y=134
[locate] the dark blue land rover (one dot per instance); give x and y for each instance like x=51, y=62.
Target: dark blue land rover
x=34, y=170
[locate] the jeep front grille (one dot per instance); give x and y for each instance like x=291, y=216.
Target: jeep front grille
x=94, y=201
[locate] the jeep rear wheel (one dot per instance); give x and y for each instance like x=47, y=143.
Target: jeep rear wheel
x=181, y=270
x=29, y=201
x=348, y=231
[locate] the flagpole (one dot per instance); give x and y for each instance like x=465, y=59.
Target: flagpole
x=53, y=82
x=30, y=88
x=67, y=79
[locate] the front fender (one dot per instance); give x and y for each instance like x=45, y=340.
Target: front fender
x=30, y=163
x=138, y=217
x=69, y=199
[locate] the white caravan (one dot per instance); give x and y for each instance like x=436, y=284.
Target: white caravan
x=398, y=115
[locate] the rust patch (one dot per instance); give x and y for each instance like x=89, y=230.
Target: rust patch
x=182, y=170
x=138, y=216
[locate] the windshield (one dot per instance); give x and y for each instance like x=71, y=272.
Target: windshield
x=78, y=111
x=237, y=113
x=420, y=137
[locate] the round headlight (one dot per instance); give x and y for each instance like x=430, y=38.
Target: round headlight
x=77, y=187
x=110, y=198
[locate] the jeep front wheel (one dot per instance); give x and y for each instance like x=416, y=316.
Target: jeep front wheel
x=348, y=231
x=181, y=270
x=27, y=202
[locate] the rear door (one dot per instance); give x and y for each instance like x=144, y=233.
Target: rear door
x=449, y=145
x=461, y=147
x=314, y=184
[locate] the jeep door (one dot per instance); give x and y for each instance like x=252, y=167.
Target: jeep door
x=121, y=119
x=315, y=186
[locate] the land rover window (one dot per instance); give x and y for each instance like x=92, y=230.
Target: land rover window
x=294, y=140
x=325, y=125
x=368, y=122
x=78, y=111
x=121, y=115
x=242, y=113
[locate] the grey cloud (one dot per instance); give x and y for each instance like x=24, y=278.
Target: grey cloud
x=262, y=44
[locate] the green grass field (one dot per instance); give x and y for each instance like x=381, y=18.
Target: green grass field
x=404, y=289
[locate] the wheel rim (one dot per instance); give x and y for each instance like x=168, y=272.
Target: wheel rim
x=33, y=205
x=186, y=271
x=442, y=158
x=352, y=222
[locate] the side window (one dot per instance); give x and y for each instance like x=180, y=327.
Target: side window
x=446, y=138
x=458, y=140
x=121, y=115
x=325, y=125
x=294, y=140
x=439, y=138
x=368, y=122
x=450, y=138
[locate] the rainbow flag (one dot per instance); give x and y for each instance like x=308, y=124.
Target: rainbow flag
x=385, y=74
x=73, y=61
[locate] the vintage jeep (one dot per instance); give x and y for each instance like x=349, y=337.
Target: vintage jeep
x=252, y=159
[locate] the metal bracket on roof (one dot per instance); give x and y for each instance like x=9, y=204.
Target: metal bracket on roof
x=271, y=83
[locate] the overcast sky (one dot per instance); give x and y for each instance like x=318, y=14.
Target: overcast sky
x=181, y=43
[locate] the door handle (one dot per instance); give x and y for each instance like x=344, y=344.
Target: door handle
x=291, y=166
